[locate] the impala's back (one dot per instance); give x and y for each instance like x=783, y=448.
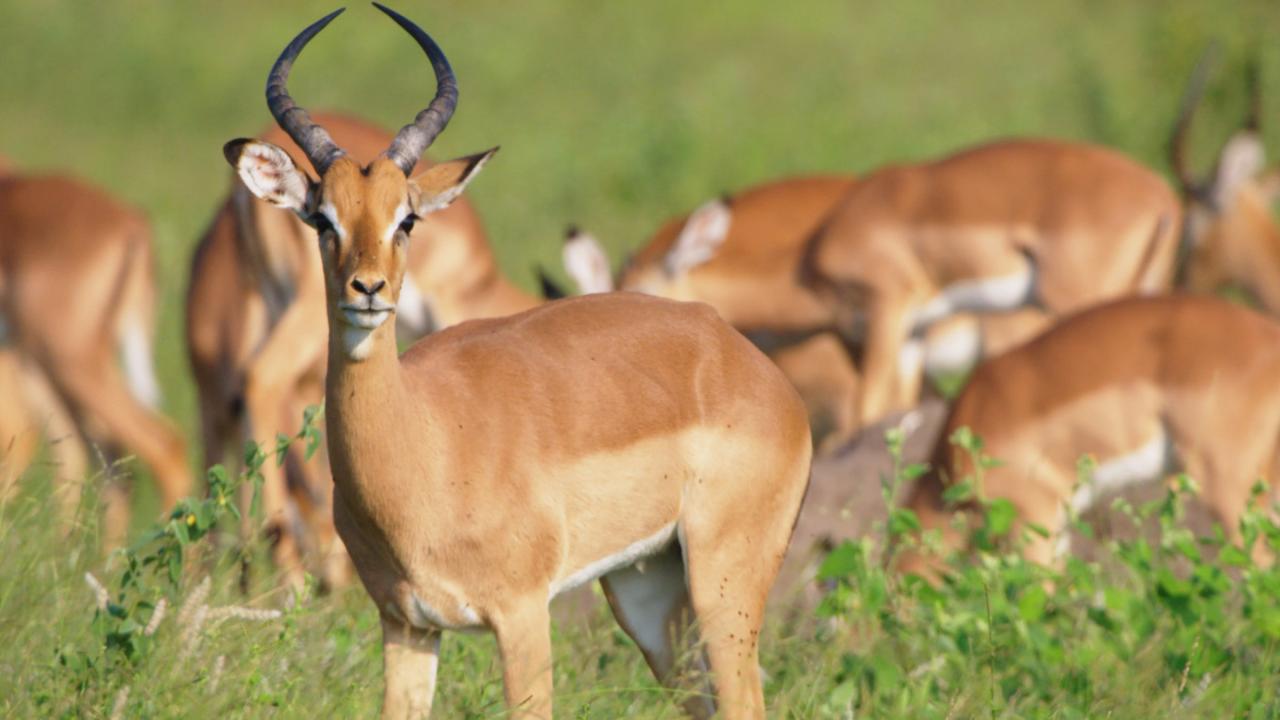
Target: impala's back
x=753, y=284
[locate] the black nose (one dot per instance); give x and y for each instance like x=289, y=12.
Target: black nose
x=359, y=286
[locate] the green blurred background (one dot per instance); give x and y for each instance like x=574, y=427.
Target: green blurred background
x=612, y=115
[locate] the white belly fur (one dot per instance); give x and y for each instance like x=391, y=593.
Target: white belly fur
x=993, y=294
x=953, y=351
x=1147, y=464
x=629, y=555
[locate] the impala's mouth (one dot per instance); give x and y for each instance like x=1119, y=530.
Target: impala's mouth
x=366, y=317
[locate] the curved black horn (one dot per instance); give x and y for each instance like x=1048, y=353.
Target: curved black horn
x=312, y=138
x=413, y=139
x=1178, y=143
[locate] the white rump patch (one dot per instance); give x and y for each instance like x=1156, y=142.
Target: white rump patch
x=1008, y=292
x=638, y=550
x=702, y=235
x=139, y=368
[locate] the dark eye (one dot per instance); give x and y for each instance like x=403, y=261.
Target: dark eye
x=320, y=222
x=406, y=225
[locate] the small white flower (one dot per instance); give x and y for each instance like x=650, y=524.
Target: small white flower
x=122, y=699
x=157, y=617
x=100, y=594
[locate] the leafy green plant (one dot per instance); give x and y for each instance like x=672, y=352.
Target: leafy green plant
x=157, y=568
x=1173, y=623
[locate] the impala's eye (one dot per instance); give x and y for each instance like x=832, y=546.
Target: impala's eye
x=406, y=225
x=320, y=222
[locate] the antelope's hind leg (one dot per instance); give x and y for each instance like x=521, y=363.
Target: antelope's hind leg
x=650, y=600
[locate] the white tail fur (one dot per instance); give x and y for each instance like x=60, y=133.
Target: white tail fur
x=139, y=367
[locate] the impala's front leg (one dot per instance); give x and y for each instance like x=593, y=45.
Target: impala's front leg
x=410, y=658
x=887, y=334
x=524, y=641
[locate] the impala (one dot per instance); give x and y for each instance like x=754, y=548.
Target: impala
x=256, y=333
x=1231, y=233
x=1145, y=386
x=502, y=461
x=76, y=291
x=1016, y=224
x=741, y=254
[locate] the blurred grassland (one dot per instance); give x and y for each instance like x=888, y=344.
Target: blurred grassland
x=611, y=115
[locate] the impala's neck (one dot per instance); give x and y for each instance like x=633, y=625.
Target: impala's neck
x=1259, y=269
x=363, y=397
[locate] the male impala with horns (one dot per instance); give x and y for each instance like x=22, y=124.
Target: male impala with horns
x=500, y=462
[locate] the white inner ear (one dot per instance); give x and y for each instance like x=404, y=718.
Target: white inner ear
x=587, y=264
x=702, y=235
x=269, y=173
x=1242, y=159
x=428, y=201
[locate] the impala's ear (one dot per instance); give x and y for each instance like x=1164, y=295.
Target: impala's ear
x=586, y=263
x=1242, y=159
x=441, y=184
x=269, y=173
x=702, y=235
x=551, y=290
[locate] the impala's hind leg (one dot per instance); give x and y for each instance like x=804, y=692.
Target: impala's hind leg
x=729, y=581
x=733, y=550
x=651, y=602
x=19, y=431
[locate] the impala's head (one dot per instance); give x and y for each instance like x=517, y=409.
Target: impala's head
x=1228, y=212
x=362, y=214
x=695, y=242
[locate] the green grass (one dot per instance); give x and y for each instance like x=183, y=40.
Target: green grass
x=611, y=115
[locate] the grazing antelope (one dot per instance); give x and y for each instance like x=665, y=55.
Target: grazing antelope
x=255, y=323
x=76, y=291
x=1016, y=224
x=1146, y=386
x=1231, y=235
x=502, y=461
x=741, y=254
